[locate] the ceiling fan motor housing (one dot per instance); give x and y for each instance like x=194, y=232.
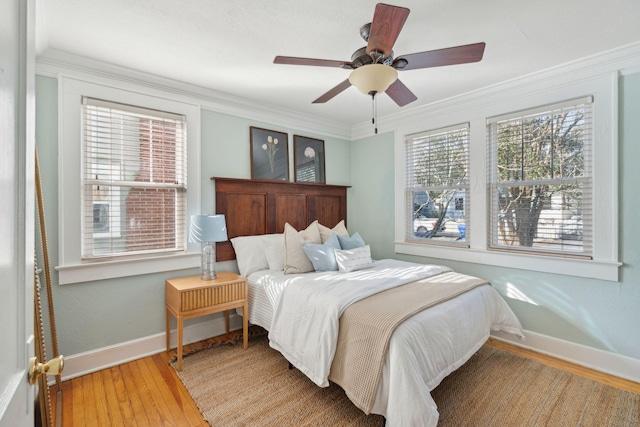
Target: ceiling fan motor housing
x=365, y=30
x=360, y=57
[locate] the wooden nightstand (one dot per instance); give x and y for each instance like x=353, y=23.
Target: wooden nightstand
x=188, y=297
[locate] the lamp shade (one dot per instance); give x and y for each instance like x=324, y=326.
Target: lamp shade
x=373, y=78
x=207, y=228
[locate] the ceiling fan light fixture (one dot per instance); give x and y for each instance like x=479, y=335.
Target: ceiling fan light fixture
x=373, y=78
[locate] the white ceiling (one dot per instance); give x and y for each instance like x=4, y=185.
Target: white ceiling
x=229, y=45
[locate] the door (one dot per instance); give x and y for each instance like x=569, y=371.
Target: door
x=17, y=130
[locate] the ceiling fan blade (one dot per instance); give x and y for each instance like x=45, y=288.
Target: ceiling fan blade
x=385, y=27
x=333, y=92
x=292, y=60
x=400, y=93
x=437, y=58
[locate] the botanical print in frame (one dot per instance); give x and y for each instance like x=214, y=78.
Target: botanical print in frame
x=269, y=154
x=308, y=159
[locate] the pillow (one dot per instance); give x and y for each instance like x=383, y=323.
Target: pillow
x=274, y=250
x=322, y=255
x=326, y=232
x=295, y=260
x=353, y=259
x=250, y=254
x=355, y=241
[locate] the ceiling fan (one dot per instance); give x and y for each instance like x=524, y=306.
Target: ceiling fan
x=375, y=70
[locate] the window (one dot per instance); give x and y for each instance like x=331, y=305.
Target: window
x=437, y=185
x=134, y=180
x=541, y=191
x=123, y=170
x=541, y=180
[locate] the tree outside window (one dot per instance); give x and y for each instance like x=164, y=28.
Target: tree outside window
x=437, y=184
x=541, y=186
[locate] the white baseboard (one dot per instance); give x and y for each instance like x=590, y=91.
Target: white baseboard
x=600, y=360
x=106, y=357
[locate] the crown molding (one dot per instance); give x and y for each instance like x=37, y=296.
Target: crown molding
x=624, y=60
x=53, y=63
x=57, y=64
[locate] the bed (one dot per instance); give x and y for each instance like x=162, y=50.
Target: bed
x=305, y=311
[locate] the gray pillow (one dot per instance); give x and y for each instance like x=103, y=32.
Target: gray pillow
x=323, y=256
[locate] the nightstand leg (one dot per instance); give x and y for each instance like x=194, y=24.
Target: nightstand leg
x=226, y=319
x=245, y=325
x=168, y=330
x=180, y=343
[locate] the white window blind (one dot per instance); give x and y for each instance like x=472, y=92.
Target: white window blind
x=540, y=189
x=437, y=185
x=134, y=177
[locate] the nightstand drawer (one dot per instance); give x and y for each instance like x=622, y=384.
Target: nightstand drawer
x=189, y=297
x=199, y=298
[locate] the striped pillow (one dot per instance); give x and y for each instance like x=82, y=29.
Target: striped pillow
x=353, y=259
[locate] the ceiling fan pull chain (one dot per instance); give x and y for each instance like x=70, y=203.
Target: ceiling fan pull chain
x=374, y=111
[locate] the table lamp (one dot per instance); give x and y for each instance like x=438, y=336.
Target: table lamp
x=208, y=229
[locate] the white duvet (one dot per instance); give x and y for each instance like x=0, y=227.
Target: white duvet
x=422, y=351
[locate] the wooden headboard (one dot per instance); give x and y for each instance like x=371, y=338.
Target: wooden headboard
x=254, y=207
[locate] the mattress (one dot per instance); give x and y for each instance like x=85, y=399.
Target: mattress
x=423, y=350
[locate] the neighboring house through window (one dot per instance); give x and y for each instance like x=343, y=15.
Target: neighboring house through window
x=540, y=179
x=134, y=180
x=129, y=177
x=437, y=184
x=532, y=177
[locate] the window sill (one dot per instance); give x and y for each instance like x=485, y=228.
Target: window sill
x=89, y=272
x=603, y=270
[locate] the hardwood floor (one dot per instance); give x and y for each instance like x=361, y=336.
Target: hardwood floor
x=144, y=392
x=148, y=392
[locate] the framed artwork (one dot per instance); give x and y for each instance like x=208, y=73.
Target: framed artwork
x=309, y=159
x=269, y=154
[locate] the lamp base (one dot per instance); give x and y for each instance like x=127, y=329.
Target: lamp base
x=208, y=262
x=208, y=275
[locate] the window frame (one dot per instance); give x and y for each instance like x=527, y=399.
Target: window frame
x=72, y=269
x=104, y=165
x=410, y=188
x=586, y=179
x=604, y=89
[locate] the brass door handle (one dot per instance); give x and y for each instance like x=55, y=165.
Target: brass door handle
x=52, y=367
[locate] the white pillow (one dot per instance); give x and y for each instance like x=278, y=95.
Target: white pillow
x=326, y=232
x=295, y=260
x=250, y=254
x=354, y=259
x=274, y=249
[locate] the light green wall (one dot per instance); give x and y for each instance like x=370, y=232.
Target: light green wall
x=595, y=313
x=600, y=314
x=225, y=152
x=97, y=314
x=371, y=197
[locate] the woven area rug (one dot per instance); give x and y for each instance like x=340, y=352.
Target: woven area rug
x=253, y=387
